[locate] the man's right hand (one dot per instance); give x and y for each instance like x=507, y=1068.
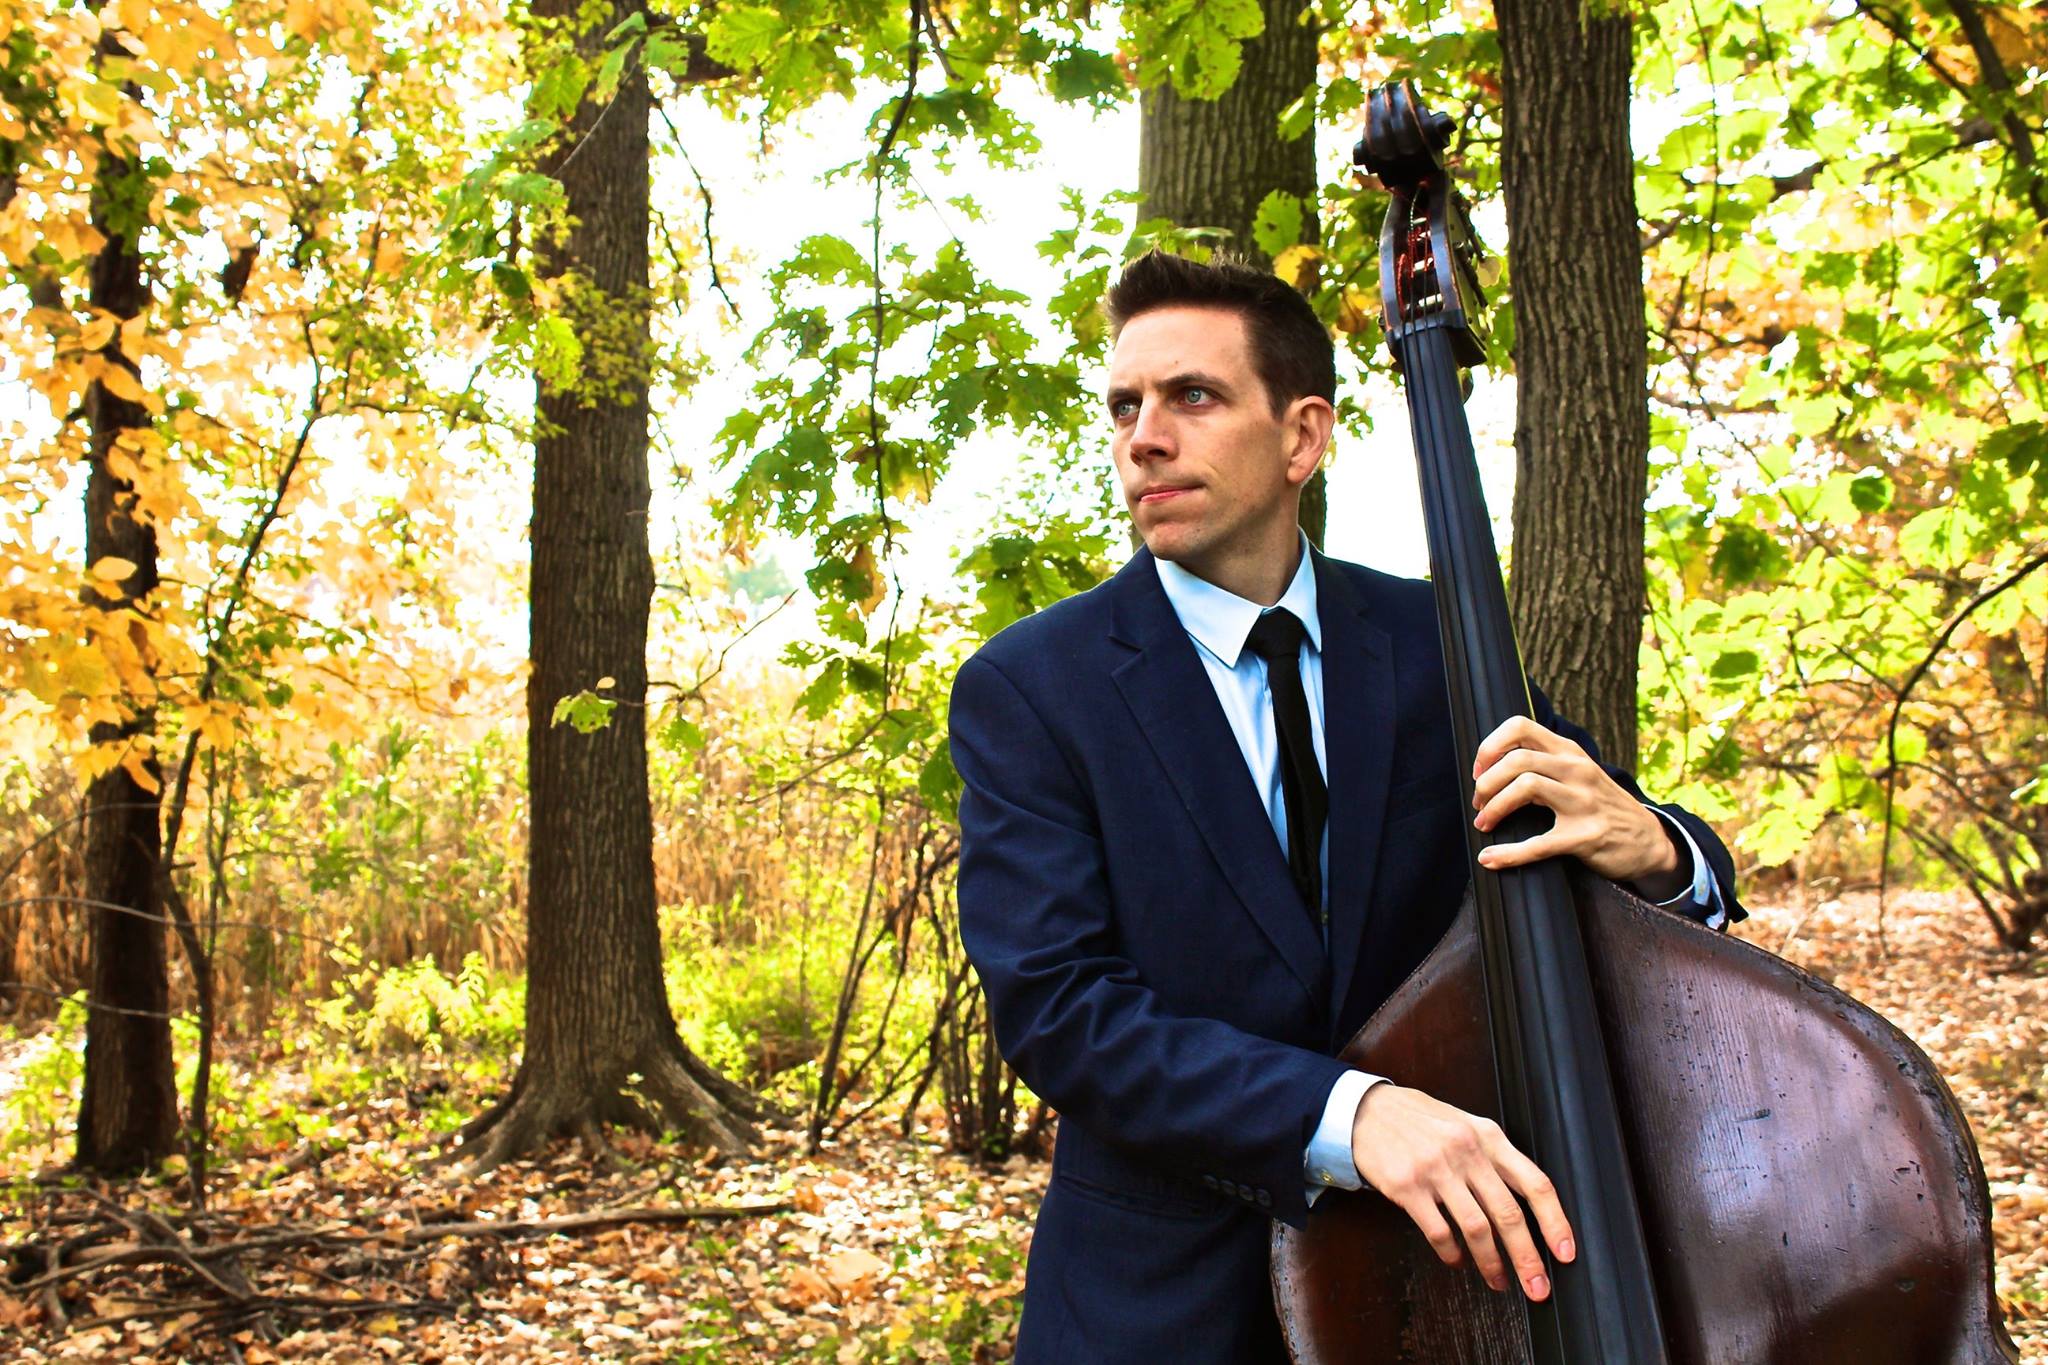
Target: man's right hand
x=1457, y=1176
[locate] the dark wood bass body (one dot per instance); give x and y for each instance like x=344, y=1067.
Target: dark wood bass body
x=1805, y=1178
x=1758, y=1170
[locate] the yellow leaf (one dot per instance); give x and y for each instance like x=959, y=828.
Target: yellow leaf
x=134, y=15
x=122, y=383
x=98, y=332
x=390, y=255
x=112, y=569
x=864, y=565
x=1296, y=264
x=135, y=765
x=607, y=681
x=1354, y=310
x=302, y=17
x=132, y=333
x=89, y=101
x=98, y=761
x=216, y=729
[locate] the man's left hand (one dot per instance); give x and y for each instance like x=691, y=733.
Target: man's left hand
x=1610, y=831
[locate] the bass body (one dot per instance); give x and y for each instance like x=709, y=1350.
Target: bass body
x=1808, y=1185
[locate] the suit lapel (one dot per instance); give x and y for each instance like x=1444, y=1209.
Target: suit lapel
x=1358, y=743
x=1175, y=706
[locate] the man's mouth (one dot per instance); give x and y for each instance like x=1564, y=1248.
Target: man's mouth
x=1163, y=492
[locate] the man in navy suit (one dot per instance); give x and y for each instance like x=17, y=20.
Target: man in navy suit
x=1164, y=965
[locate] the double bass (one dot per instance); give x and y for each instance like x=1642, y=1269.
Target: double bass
x=1759, y=1170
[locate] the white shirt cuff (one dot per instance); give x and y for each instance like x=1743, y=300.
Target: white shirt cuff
x=1704, y=893
x=1327, y=1163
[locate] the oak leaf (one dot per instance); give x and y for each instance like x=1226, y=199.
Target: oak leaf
x=855, y=1272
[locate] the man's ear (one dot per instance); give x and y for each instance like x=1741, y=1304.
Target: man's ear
x=1309, y=422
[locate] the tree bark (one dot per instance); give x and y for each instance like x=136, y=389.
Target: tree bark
x=1210, y=163
x=1582, y=414
x=597, y=1016
x=128, y=1113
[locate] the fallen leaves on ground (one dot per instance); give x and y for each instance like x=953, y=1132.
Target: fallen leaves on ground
x=886, y=1248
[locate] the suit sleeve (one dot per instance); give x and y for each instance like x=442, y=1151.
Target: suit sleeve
x=1071, y=1014
x=1720, y=862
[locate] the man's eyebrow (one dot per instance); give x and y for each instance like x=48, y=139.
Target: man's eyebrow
x=1187, y=379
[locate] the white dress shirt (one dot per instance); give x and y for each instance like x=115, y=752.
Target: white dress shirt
x=1218, y=622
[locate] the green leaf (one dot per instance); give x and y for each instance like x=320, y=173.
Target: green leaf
x=1747, y=555
x=1734, y=664
x=1299, y=117
x=1938, y=538
x=1870, y=491
x=825, y=690
x=613, y=66
x=2000, y=614
x=744, y=36
x=584, y=711
x=511, y=280
x=1277, y=225
x=1781, y=831
x=1909, y=743
x=682, y=734
x=939, y=783
x=1084, y=74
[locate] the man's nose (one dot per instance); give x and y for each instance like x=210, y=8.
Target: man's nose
x=1151, y=432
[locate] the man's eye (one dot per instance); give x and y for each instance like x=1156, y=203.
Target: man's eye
x=1194, y=395
x=1122, y=408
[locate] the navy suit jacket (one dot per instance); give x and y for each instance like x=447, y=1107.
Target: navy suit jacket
x=1151, y=971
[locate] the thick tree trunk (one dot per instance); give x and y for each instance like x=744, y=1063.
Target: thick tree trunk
x=128, y=1114
x=597, y=1016
x=1210, y=163
x=1582, y=414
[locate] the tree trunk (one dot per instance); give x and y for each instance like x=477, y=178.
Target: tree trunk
x=597, y=1017
x=1581, y=414
x=1210, y=163
x=128, y=1114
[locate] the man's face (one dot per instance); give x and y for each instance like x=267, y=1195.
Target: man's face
x=1210, y=472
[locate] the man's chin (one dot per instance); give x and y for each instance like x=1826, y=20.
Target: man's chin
x=1170, y=543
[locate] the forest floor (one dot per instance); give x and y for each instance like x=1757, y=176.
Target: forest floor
x=882, y=1248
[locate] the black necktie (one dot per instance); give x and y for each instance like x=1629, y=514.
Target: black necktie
x=1276, y=637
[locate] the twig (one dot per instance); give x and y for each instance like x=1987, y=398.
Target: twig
x=704, y=193
x=53, y=1303
x=582, y=1222
x=1891, y=729
x=149, y=1226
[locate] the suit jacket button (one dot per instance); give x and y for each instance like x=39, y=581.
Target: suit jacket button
x=1265, y=1199
x=1210, y=1181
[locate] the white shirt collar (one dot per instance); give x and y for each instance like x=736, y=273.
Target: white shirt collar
x=1221, y=620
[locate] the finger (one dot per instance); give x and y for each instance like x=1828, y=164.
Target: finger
x=1511, y=766
x=1519, y=732
x=1530, y=789
x=1498, y=857
x=1511, y=1226
x=1476, y=1230
x=1429, y=1219
x=1526, y=1178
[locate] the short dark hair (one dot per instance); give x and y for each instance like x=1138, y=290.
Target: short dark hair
x=1291, y=349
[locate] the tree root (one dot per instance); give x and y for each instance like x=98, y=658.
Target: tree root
x=675, y=1091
